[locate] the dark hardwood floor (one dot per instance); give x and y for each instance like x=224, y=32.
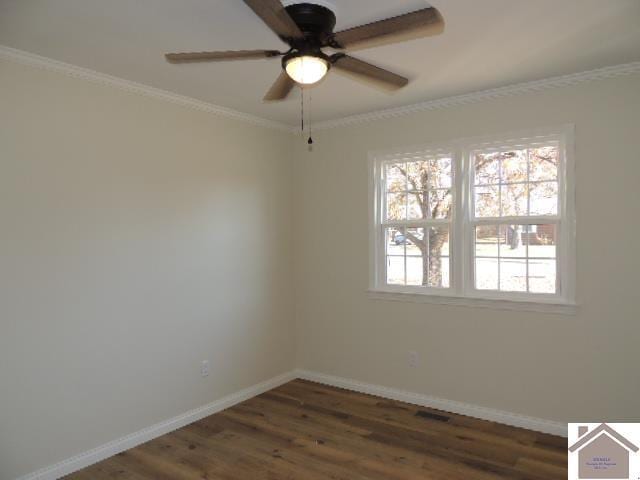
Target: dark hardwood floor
x=307, y=431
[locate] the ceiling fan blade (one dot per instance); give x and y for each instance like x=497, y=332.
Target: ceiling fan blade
x=420, y=23
x=280, y=89
x=219, y=56
x=365, y=71
x=276, y=17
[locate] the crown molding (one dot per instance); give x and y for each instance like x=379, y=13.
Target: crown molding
x=33, y=60
x=482, y=95
x=26, y=58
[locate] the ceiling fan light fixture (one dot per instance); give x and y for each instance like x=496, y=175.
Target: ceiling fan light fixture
x=306, y=69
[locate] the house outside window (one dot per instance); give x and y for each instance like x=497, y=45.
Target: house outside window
x=487, y=218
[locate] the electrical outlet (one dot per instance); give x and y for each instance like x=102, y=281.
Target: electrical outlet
x=204, y=368
x=413, y=359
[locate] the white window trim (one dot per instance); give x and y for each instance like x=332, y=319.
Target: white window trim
x=461, y=258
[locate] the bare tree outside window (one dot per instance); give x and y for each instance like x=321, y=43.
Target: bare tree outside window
x=419, y=195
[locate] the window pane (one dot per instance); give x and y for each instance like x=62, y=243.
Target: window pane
x=440, y=173
x=512, y=241
x=415, y=271
x=394, y=241
x=439, y=241
x=417, y=175
x=516, y=248
x=426, y=252
x=543, y=163
x=542, y=241
x=446, y=275
x=514, y=200
x=514, y=166
x=395, y=270
x=487, y=273
x=395, y=177
x=440, y=203
x=487, y=202
x=396, y=206
x=487, y=168
x=486, y=241
x=418, y=205
x=439, y=272
x=513, y=274
x=415, y=241
x=542, y=276
x=527, y=178
x=544, y=198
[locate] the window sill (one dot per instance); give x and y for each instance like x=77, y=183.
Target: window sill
x=499, y=304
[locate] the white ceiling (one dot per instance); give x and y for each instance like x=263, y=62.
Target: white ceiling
x=487, y=43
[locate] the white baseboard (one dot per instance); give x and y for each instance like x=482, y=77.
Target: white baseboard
x=506, y=418
x=107, y=450
x=114, y=447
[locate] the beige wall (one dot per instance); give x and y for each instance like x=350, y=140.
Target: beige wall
x=137, y=238
x=545, y=365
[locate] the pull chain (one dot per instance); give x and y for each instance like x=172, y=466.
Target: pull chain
x=302, y=110
x=310, y=141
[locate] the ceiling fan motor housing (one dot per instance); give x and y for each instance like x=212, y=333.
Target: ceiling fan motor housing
x=316, y=23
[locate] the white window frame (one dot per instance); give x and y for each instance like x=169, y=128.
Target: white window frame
x=462, y=289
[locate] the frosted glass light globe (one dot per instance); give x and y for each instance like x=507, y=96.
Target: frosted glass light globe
x=306, y=69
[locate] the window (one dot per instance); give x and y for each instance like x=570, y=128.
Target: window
x=487, y=218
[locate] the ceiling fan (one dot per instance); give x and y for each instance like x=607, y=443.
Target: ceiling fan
x=308, y=28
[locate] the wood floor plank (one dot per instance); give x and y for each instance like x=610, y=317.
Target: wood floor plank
x=354, y=455
x=308, y=431
x=402, y=424
x=512, y=442
x=387, y=459
x=285, y=461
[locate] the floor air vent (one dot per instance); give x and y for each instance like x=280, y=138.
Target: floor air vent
x=432, y=416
